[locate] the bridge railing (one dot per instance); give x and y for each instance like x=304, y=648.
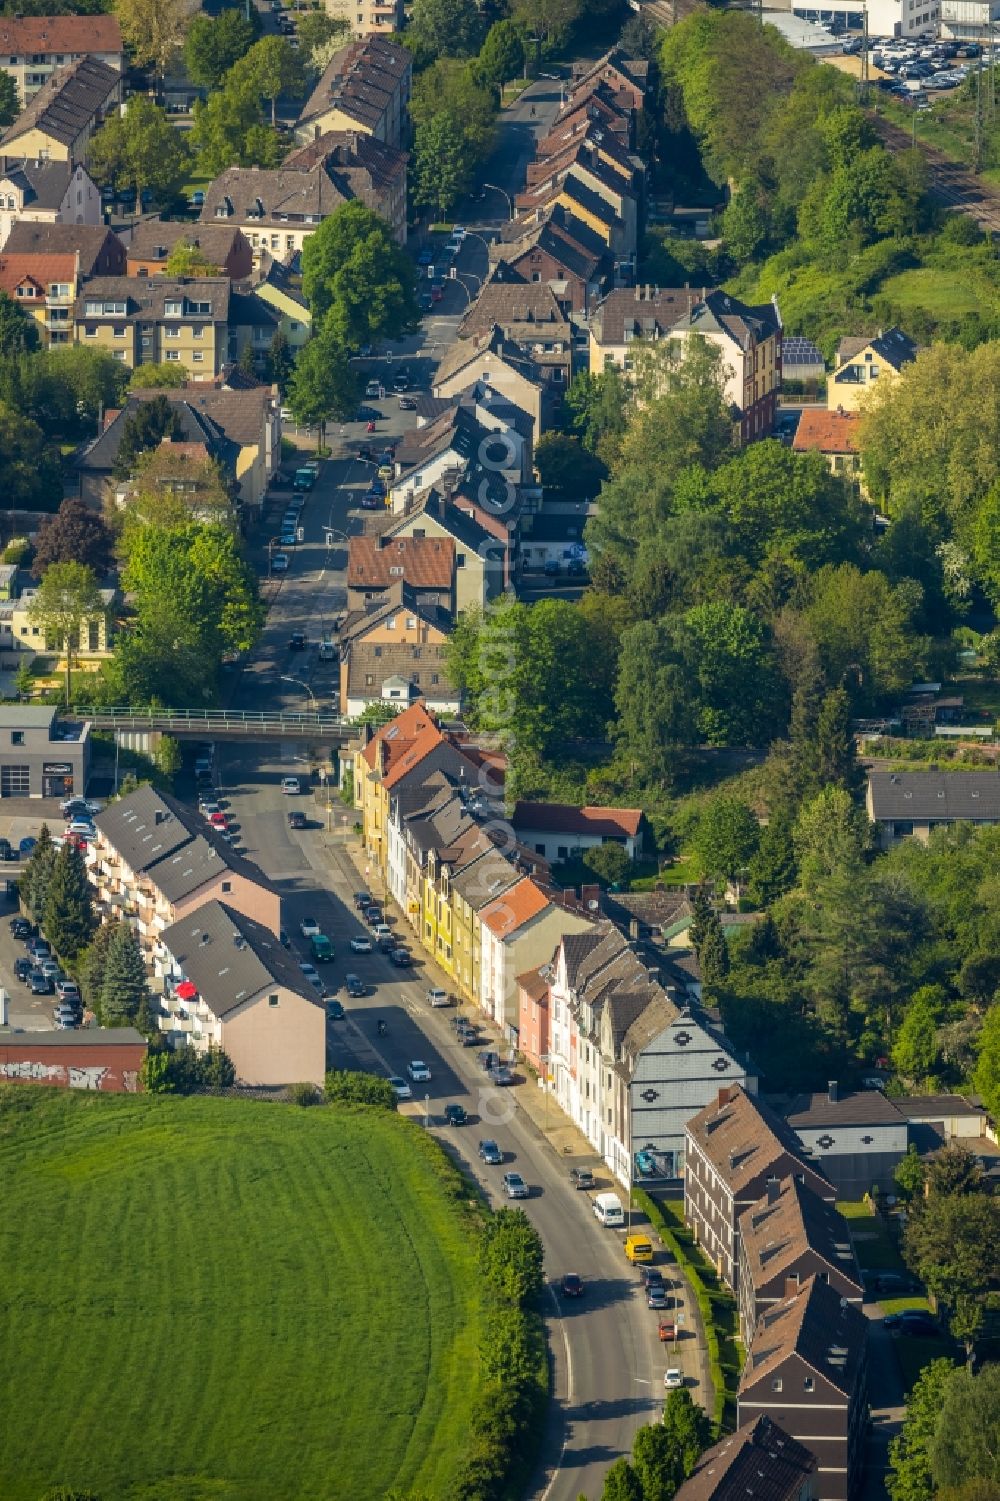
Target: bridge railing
x=125, y=717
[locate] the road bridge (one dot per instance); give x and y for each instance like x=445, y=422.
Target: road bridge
x=221, y=724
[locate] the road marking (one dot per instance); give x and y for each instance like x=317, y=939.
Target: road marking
x=642, y=1381
x=569, y=1394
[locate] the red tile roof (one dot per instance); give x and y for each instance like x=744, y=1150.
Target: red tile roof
x=563, y=818
x=41, y=269
x=65, y=34
x=426, y=562
x=514, y=908
x=827, y=432
x=403, y=743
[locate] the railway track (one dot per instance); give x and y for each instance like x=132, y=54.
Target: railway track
x=950, y=183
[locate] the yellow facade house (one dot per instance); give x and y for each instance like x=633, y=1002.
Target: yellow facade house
x=861, y=362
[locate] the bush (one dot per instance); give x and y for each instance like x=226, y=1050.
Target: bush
x=18, y=550
x=349, y=1088
x=184, y=1071
x=304, y=1094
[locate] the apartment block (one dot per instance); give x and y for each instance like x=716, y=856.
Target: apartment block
x=157, y=320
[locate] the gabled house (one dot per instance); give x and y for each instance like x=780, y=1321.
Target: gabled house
x=860, y=362
x=224, y=246
x=97, y=250
x=396, y=636
x=276, y=209
x=493, y=360
x=360, y=167
x=519, y=929
x=595, y=103
x=483, y=544
x=856, y=1138
x=792, y=1234
x=40, y=191
x=60, y=119
x=627, y=77
x=45, y=287
x=141, y=320
x=426, y=564
x=32, y=48
x=229, y=984
x=365, y=87
x=911, y=804
x=632, y=313
x=552, y=245
x=735, y=1147
x=92, y=643
x=528, y=313
x=278, y=290
x=759, y=1459
x=835, y=436
x=749, y=339
x=594, y=186
x=560, y=831
x=807, y=1370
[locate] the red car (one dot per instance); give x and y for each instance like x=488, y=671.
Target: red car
x=572, y=1285
x=437, y=292
x=218, y=820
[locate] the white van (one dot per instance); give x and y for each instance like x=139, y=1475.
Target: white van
x=608, y=1209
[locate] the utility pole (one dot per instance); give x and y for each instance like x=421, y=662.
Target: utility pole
x=977, y=149
x=864, y=75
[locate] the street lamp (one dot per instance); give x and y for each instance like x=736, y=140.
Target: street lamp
x=298, y=683
x=503, y=194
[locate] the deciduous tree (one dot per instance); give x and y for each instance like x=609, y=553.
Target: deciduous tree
x=511, y=1256
x=214, y=43
x=355, y=275
x=18, y=331
x=68, y=598
x=954, y=1247
x=987, y=1074
x=964, y=1447
x=726, y=838
x=271, y=67
x=140, y=149
x=74, y=534
x=186, y=259
x=153, y=29
x=501, y=56
x=909, y=1477
x=442, y=163
x=444, y=28
x=323, y=385
x=10, y=103
x=143, y=429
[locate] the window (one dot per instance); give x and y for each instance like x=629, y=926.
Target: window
x=119, y=355
x=369, y=680
x=197, y=358
x=147, y=340
x=411, y=622
x=272, y=1000
x=776, y=1383
x=808, y=1384
x=562, y=852
x=17, y=737
x=119, y=331
x=14, y=781
x=172, y=333
x=200, y=309
x=198, y=333
x=93, y=635
x=173, y=309
x=90, y=331
x=227, y=885
x=172, y=354
x=460, y=560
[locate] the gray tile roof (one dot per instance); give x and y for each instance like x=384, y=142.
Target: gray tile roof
x=66, y=103
x=521, y=309
x=26, y=716
x=720, y=313
x=758, y=1460
x=92, y=242
x=485, y=879
x=230, y=959
x=271, y=199
x=43, y=184
x=153, y=239
x=357, y=163
x=145, y=297
x=943, y=796
x=360, y=80
x=82, y=1037
x=860, y=1107
x=776, y=1233
x=639, y=312
x=195, y=427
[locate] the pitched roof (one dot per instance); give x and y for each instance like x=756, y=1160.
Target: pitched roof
x=153, y=239
x=758, y=1460
x=415, y=730
x=535, y=983
x=66, y=103
x=484, y=879
x=425, y=562
x=742, y=1137
x=859, y=1107
x=40, y=269
x=360, y=80
x=563, y=818
x=641, y=312
x=86, y=240
x=230, y=958
x=195, y=428
x=720, y=313
x=354, y=160
x=60, y=34
x=776, y=1233
x=520, y=308
x=146, y=296
x=557, y=233
x=936, y=795
x=932, y=1107
x=399, y=597
x=513, y=909
x=417, y=664
x=827, y=432
x=491, y=343
x=816, y=1324
x=271, y=198
x=892, y=345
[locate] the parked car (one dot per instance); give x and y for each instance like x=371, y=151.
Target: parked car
x=26, y=847
x=488, y=1059
x=22, y=969
x=501, y=1077
x=514, y=1186
x=279, y=562
x=571, y=1285
x=297, y=641
x=75, y=807
x=581, y=1177
x=490, y=1152
x=454, y=1115
x=656, y=1295
x=650, y=1276
x=335, y=1011
x=912, y=1321
x=673, y=1379
x=21, y=927
x=438, y=997
x=361, y=944
x=400, y=1088
x=373, y=390
x=309, y=927
x=401, y=958
x=418, y=1072
x=291, y=786
x=7, y=850
x=407, y=403
x=66, y=1018
x=68, y=990
x=38, y=949
x=40, y=983
x=355, y=986
x=83, y=827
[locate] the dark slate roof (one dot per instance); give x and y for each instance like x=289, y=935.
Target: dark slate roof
x=827, y=1333
x=360, y=80
x=860, y=1107
x=484, y=879
x=44, y=185
x=742, y=1137
x=776, y=1233
x=932, y=1107
x=719, y=312
x=356, y=162
x=935, y=795
x=271, y=198
x=641, y=312
x=758, y=1460
x=86, y=240
x=196, y=427
x=145, y=296
x=230, y=959
x=67, y=102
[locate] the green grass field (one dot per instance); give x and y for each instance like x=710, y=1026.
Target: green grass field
x=230, y=1299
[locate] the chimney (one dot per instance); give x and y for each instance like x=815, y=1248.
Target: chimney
x=383, y=756
x=832, y=1092
x=159, y=816
x=792, y=1285
x=773, y=1190
x=633, y=929
x=723, y=1099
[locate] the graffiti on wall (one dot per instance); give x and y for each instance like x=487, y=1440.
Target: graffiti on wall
x=89, y=1076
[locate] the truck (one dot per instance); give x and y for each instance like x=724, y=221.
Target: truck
x=322, y=948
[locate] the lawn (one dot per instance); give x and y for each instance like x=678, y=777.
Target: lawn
x=936, y=292
x=230, y=1299
x=873, y=1244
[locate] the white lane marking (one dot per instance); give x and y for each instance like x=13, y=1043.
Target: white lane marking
x=569, y=1394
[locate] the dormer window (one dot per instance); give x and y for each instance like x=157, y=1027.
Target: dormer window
x=172, y=309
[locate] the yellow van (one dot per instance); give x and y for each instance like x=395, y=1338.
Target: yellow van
x=639, y=1248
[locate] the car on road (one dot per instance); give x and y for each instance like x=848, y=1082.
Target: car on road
x=75, y=807
x=401, y=958
x=426, y=302
x=68, y=990
x=355, y=986
x=38, y=948
x=425, y=257
x=407, y=403
x=458, y=232
x=368, y=414
x=912, y=1321
x=401, y=382
x=656, y=1295
x=469, y=1038
x=454, y=1115
x=437, y=291
x=7, y=850
x=207, y=807
x=438, y=997
x=362, y=900
x=26, y=847
x=501, y=1077
x=372, y=501
x=322, y=948
x=309, y=927
x=361, y=944
x=82, y=827
x=51, y=968
x=571, y=1285
x=312, y=974
x=296, y=819
x=382, y=933
x=373, y=390
x=288, y=539
x=335, y=1011
x=672, y=1378
x=400, y=1088
x=39, y=983
x=22, y=969
x=291, y=786
x=372, y=914
x=582, y=1177
x=650, y=1276
x=297, y=641
x=418, y=1072
x=514, y=1186
x=218, y=819
x=490, y=1152
x=20, y=927
x=489, y=1059
x=305, y=478
x=279, y=562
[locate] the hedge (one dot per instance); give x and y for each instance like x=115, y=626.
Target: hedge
x=717, y=1307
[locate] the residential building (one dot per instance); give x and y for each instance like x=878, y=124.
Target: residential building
x=45, y=287
x=586, y=129
x=285, y=298
x=45, y=192
x=483, y=544
x=553, y=246
x=397, y=635
x=59, y=120
x=91, y=644
x=555, y=535
x=496, y=361
x=364, y=87
x=857, y=1138
x=401, y=675
x=478, y=442
x=792, y=1234
x=426, y=564
x=520, y=928
x=240, y=429
x=759, y=1459
x=533, y=1019
x=749, y=339
x=382, y=759
x=599, y=104
x=911, y=804
x=96, y=249
x=360, y=167
x=807, y=1370
x=141, y=320
x=630, y=1064
x=224, y=246
x=835, y=436
x=938, y=1118
x=253, y=322
x=32, y=48
x=630, y=313
x=736, y=1145
x=860, y=362
x=595, y=181
x=559, y=831
x=156, y=861
x=527, y=313
x=230, y=984
x=367, y=16
x=42, y=753
x=107, y=1059
x=276, y=210
x=626, y=77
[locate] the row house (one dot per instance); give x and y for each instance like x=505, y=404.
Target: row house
x=224, y=247
x=42, y=192
x=365, y=87
x=485, y=547
x=759, y=1459
x=596, y=184
x=551, y=245
x=142, y=320
x=361, y=167
x=856, y=1138
x=58, y=122
x=229, y=983
x=426, y=565
x=155, y=861
x=735, y=1148
x=529, y=314
x=43, y=266
x=790, y=1235
x=475, y=438
x=491, y=359
x=32, y=48
x=629, y=1064
x=807, y=1370
x=397, y=633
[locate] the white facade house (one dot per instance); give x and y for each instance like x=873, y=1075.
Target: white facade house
x=518, y=931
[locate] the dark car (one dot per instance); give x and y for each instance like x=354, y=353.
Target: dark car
x=335, y=1010
x=297, y=641
x=501, y=1077
x=656, y=1295
x=490, y=1152
x=469, y=1037
x=20, y=927
x=7, y=850
x=489, y=1060
x=373, y=916
x=651, y=1275
x=40, y=983
x=372, y=501
x=362, y=899
x=581, y=1177
x=26, y=846
x=401, y=958
x=296, y=820
x=912, y=1321
x=572, y=1285
x=407, y=403
x=355, y=986
x=454, y=1115
x=38, y=948
x=402, y=382
x=22, y=969
x=368, y=414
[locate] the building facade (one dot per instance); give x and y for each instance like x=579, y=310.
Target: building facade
x=157, y=320
x=41, y=753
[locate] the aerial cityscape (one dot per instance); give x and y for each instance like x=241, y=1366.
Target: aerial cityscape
x=499, y=735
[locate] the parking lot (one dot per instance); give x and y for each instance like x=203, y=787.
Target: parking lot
x=26, y=1012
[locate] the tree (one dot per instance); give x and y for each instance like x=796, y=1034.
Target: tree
x=186, y=259
x=511, y=1256
x=35, y=878
x=596, y=406
x=654, y=704
x=125, y=989
x=444, y=28
x=566, y=468
x=621, y=1483
x=359, y=284
x=443, y=167
x=342, y=1086
x=92, y=379
x=501, y=56
x=228, y=129
x=954, y=1171
x=713, y=952
x=271, y=67
x=159, y=377
x=964, y=1446
x=141, y=149
x=909, y=1175
x=986, y=1077
x=863, y=627
x=152, y=29
x=688, y=1428
x=610, y=863
x=91, y=967
x=831, y=836
x=68, y=597
x=835, y=760
x=953, y=1245
x=74, y=534
x=550, y=19
x=280, y=357
x=915, y=1050
x=726, y=838
x=18, y=330
x=10, y=104
x=909, y=1477
x=323, y=385
x=772, y=869
x=214, y=43
x=728, y=655
x=29, y=464
x=69, y=909
x=143, y=429
x=317, y=30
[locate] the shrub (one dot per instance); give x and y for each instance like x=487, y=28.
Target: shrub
x=18, y=550
x=304, y=1094
x=350, y=1088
